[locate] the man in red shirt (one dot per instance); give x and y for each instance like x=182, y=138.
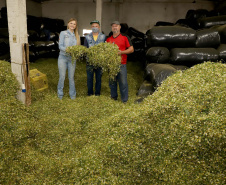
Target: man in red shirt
x=125, y=47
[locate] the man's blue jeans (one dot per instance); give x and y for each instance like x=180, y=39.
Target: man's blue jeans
x=123, y=84
x=98, y=73
x=64, y=64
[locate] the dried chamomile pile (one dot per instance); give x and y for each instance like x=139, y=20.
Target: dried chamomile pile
x=105, y=55
x=77, y=52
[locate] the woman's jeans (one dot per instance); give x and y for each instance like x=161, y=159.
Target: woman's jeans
x=90, y=69
x=64, y=64
x=123, y=84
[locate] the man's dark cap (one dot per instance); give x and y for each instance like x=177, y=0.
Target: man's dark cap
x=115, y=22
x=95, y=21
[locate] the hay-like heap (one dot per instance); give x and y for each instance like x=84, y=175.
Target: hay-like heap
x=76, y=52
x=8, y=82
x=104, y=55
x=176, y=136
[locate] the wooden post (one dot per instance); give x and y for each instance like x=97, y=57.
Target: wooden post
x=26, y=77
x=17, y=24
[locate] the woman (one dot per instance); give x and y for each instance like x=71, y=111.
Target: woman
x=67, y=38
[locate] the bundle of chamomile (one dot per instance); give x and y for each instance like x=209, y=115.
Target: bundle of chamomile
x=104, y=55
x=77, y=52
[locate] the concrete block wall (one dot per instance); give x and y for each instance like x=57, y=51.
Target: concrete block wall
x=144, y=16
x=2, y=3
x=83, y=12
x=139, y=14
x=33, y=8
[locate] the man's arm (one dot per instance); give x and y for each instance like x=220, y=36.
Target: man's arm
x=127, y=51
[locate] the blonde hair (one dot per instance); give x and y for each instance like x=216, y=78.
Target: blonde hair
x=76, y=30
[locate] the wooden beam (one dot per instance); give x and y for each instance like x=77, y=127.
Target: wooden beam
x=27, y=86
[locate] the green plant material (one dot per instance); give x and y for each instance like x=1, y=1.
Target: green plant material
x=8, y=83
x=105, y=55
x=76, y=52
x=176, y=136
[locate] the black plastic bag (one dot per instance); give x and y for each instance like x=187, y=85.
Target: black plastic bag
x=124, y=27
x=213, y=13
x=197, y=14
x=220, y=7
x=158, y=55
x=171, y=36
x=32, y=56
x=136, y=33
x=157, y=73
x=163, y=23
x=53, y=36
x=222, y=52
x=54, y=53
x=44, y=54
x=47, y=53
x=4, y=12
x=3, y=23
x=110, y=34
x=32, y=35
x=59, y=25
x=4, y=46
x=40, y=45
x=179, y=67
x=34, y=23
x=222, y=31
x=54, y=25
x=137, y=55
x=183, y=22
x=43, y=36
x=190, y=14
x=193, y=56
x=5, y=57
x=207, y=38
x=31, y=45
x=146, y=88
x=187, y=23
x=212, y=21
x=138, y=43
x=50, y=44
x=4, y=33
x=193, y=16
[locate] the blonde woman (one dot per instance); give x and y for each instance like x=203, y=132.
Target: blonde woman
x=67, y=38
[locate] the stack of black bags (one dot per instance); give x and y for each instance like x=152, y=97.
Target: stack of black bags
x=43, y=36
x=4, y=36
x=188, y=42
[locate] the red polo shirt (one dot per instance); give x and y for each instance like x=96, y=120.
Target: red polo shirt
x=123, y=42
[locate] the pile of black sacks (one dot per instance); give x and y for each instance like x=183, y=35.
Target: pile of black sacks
x=43, y=36
x=169, y=47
